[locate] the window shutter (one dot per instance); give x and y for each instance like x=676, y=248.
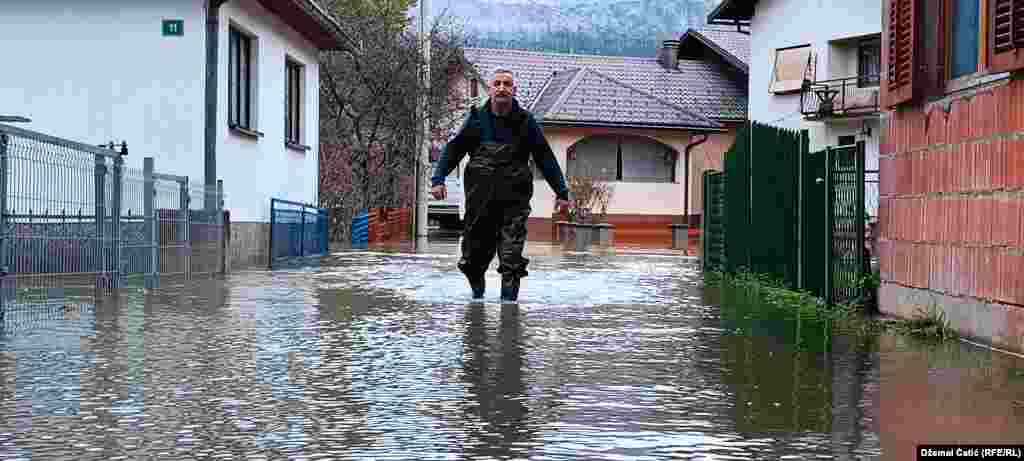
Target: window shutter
x=899, y=52
x=1006, y=34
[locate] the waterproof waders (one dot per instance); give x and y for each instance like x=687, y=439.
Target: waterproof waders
x=499, y=185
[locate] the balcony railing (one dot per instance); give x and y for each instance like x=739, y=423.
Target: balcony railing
x=841, y=97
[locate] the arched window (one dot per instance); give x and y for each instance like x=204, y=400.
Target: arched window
x=622, y=158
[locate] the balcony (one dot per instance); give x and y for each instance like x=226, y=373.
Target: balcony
x=840, y=98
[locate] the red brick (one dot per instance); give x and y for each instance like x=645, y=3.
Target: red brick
x=986, y=156
x=960, y=261
x=1015, y=153
x=1003, y=278
x=920, y=219
x=999, y=221
x=998, y=164
x=943, y=220
x=988, y=108
x=1015, y=265
x=1002, y=109
x=955, y=157
x=1017, y=223
x=1017, y=100
x=988, y=219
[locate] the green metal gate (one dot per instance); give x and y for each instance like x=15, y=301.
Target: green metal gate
x=846, y=218
x=713, y=221
x=815, y=236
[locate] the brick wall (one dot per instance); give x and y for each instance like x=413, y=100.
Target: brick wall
x=952, y=197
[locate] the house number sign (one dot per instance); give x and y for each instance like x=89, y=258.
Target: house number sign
x=173, y=27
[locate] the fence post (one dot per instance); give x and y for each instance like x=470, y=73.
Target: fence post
x=185, y=229
x=222, y=228
x=860, y=217
x=149, y=214
x=4, y=238
x=302, y=231
x=116, y=214
x=270, y=246
x=830, y=197
x=100, y=171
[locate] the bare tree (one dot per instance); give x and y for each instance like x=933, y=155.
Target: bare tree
x=370, y=92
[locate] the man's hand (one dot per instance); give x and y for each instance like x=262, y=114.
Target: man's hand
x=562, y=205
x=440, y=192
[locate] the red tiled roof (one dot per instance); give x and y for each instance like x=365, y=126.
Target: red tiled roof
x=705, y=88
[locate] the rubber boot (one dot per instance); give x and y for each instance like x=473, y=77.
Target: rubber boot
x=509, y=289
x=478, y=285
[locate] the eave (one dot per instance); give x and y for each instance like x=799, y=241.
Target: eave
x=732, y=12
x=309, y=19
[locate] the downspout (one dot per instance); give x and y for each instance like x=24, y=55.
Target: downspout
x=686, y=176
x=210, y=114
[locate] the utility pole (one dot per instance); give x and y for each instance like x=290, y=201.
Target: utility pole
x=423, y=156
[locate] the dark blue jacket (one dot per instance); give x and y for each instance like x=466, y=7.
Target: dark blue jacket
x=504, y=131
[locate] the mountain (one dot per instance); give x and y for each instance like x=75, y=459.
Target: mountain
x=609, y=27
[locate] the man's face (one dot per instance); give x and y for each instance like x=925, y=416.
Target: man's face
x=502, y=88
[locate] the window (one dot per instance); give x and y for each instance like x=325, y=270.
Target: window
x=293, y=102
x=934, y=47
x=792, y=66
x=869, y=62
x=625, y=158
x=241, y=101
x=964, y=37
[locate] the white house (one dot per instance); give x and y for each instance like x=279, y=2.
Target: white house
x=139, y=72
x=835, y=45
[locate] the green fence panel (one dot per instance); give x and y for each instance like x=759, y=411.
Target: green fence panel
x=713, y=234
x=815, y=237
x=737, y=169
x=774, y=203
x=846, y=222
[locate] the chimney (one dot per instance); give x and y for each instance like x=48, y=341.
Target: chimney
x=668, y=56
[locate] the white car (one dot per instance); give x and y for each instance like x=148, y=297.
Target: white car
x=448, y=213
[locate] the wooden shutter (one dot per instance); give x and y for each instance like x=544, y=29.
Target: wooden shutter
x=1006, y=34
x=899, y=52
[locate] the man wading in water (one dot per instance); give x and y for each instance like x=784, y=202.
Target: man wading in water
x=499, y=138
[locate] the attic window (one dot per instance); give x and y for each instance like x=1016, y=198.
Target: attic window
x=792, y=66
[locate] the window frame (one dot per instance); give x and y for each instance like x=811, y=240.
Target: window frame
x=865, y=80
x=240, y=39
x=949, y=83
x=295, y=104
x=808, y=68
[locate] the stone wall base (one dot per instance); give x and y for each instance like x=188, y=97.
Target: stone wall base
x=996, y=324
x=247, y=247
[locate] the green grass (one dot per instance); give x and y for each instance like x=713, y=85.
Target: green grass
x=927, y=324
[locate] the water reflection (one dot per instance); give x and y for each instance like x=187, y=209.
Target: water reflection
x=493, y=373
x=377, y=356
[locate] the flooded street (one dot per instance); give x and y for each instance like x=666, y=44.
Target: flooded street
x=377, y=354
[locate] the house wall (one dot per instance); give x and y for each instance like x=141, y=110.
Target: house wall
x=101, y=71
x=785, y=23
x=952, y=212
x=258, y=169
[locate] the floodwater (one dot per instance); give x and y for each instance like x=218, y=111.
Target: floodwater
x=377, y=354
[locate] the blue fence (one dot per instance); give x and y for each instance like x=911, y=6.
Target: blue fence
x=361, y=229
x=296, y=230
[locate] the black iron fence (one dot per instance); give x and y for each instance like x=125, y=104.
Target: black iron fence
x=297, y=230
x=841, y=97
x=74, y=216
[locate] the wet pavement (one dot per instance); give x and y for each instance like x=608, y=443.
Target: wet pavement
x=377, y=354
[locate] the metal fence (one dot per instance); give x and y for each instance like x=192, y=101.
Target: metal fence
x=74, y=218
x=800, y=217
x=297, y=230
